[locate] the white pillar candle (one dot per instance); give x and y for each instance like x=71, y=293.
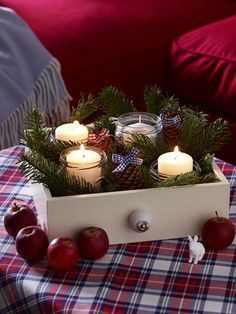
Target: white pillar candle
x=75, y=132
x=85, y=163
x=174, y=163
x=139, y=127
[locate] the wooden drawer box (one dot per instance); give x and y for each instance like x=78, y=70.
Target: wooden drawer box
x=176, y=211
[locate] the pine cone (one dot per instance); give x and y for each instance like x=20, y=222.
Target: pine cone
x=106, y=144
x=130, y=178
x=171, y=123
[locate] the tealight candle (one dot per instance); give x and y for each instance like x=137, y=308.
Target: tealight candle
x=174, y=163
x=137, y=122
x=75, y=132
x=84, y=163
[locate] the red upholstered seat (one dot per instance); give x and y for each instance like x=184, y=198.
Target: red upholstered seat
x=203, y=71
x=120, y=42
x=203, y=66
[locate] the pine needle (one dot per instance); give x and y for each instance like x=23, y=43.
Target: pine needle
x=189, y=178
x=157, y=102
x=55, y=177
x=107, y=122
x=114, y=102
x=199, y=138
x=87, y=106
x=150, y=148
x=153, y=99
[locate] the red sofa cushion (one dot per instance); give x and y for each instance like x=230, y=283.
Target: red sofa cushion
x=203, y=66
x=125, y=43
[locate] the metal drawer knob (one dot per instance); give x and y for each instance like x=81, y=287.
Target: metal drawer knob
x=140, y=220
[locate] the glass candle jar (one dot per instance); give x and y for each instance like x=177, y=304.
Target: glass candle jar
x=85, y=162
x=158, y=176
x=137, y=122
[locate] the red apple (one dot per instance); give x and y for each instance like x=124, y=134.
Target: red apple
x=63, y=254
x=18, y=217
x=93, y=243
x=32, y=243
x=218, y=233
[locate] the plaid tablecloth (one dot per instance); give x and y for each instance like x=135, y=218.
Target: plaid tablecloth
x=148, y=277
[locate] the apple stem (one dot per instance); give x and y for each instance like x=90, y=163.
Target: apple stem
x=16, y=205
x=217, y=215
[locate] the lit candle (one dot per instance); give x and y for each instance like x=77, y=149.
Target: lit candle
x=174, y=163
x=75, y=132
x=139, y=127
x=85, y=163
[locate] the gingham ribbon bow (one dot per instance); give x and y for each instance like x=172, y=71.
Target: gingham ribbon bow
x=124, y=161
x=96, y=138
x=170, y=121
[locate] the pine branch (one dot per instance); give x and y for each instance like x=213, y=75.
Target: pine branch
x=191, y=134
x=198, y=137
x=189, y=178
x=206, y=164
x=157, y=102
x=187, y=112
x=169, y=104
x=38, y=138
x=217, y=135
x=55, y=177
x=149, y=183
x=153, y=99
x=114, y=102
x=87, y=106
x=35, y=123
x=107, y=122
x=109, y=182
x=150, y=148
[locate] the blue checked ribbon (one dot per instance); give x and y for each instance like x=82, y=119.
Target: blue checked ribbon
x=170, y=121
x=124, y=161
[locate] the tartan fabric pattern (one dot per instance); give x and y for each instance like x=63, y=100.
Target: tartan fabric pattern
x=147, y=277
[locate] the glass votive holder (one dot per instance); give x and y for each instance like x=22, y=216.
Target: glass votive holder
x=137, y=122
x=85, y=162
x=157, y=176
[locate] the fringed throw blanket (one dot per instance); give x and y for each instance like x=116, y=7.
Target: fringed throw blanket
x=29, y=78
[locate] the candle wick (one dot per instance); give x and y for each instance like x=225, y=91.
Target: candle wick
x=83, y=155
x=175, y=157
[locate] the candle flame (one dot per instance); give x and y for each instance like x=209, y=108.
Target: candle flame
x=176, y=149
x=76, y=123
x=82, y=149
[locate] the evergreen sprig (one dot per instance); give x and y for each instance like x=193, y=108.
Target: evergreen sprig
x=114, y=102
x=206, y=164
x=216, y=136
x=38, y=138
x=35, y=125
x=150, y=148
x=198, y=137
x=55, y=177
x=189, y=178
x=158, y=102
x=149, y=183
x=105, y=121
x=87, y=106
x=153, y=99
x=109, y=182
